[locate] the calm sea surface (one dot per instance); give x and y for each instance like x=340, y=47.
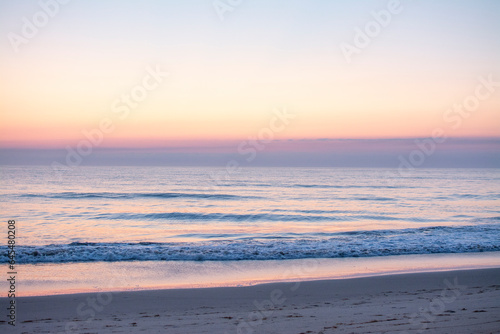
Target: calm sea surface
x=165, y=213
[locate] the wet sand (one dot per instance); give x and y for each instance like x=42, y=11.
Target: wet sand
x=466, y=301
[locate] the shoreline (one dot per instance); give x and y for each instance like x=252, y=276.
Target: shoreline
x=459, y=301
x=71, y=278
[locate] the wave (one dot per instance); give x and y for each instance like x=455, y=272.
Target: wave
x=325, y=216
x=327, y=186
x=215, y=196
x=77, y=195
x=375, y=198
x=319, y=186
x=427, y=240
x=218, y=196
x=230, y=217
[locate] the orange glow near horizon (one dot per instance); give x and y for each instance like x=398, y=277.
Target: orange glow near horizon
x=225, y=80
x=145, y=125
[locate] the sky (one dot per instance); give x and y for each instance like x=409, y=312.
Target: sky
x=299, y=82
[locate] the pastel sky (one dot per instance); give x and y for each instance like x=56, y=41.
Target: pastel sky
x=227, y=77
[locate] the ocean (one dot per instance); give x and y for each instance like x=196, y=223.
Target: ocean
x=113, y=214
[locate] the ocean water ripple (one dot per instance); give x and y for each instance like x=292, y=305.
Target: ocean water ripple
x=187, y=213
x=427, y=240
